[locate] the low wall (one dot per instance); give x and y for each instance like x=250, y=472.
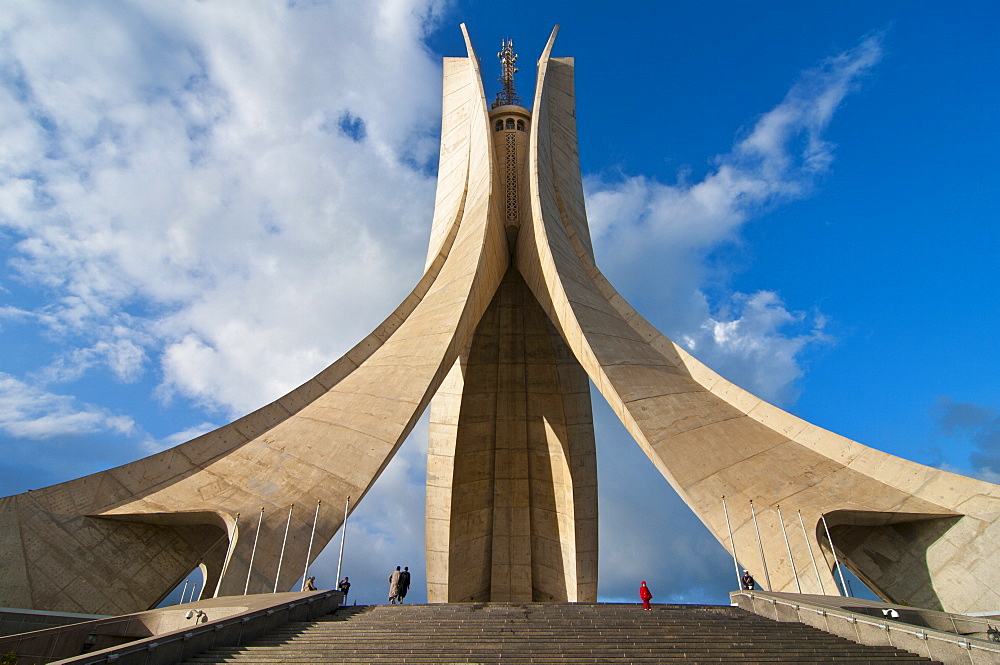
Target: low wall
x=861, y=621
x=167, y=635
x=14, y=621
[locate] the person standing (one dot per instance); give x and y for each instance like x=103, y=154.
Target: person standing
x=404, y=583
x=646, y=596
x=394, y=586
x=748, y=581
x=345, y=587
x=309, y=584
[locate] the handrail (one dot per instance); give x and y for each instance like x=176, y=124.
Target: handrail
x=176, y=646
x=967, y=643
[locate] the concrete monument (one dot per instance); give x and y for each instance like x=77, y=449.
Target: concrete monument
x=500, y=336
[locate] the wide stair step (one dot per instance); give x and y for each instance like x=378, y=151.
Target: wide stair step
x=513, y=633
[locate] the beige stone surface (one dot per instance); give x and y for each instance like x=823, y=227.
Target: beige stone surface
x=509, y=319
x=512, y=502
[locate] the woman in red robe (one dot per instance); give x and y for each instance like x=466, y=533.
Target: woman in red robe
x=646, y=596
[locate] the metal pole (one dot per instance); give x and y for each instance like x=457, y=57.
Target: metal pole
x=788, y=547
x=281, y=558
x=229, y=555
x=767, y=578
x=805, y=535
x=309, y=552
x=343, y=537
x=260, y=523
x=836, y=562
x=193, y=589
x=184, y=590
x=739, y=580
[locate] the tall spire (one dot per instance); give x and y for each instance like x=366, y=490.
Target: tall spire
x=507, y=61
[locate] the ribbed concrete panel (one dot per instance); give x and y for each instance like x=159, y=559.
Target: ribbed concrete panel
x=512, y=430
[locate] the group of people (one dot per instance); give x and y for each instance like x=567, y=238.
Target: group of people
x=310, y=585
x=399, y=584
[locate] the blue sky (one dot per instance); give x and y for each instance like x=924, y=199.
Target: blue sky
x=202, y=205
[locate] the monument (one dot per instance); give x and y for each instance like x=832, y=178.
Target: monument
x=501, y=336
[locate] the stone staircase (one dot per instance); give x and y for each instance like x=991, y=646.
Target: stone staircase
x=549, y=633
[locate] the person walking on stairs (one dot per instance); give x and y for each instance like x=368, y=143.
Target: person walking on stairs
x=394, y=586
x=345, y=587
x=404, y=583
x=646, y=596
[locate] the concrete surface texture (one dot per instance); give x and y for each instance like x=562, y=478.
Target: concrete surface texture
x=507, y=322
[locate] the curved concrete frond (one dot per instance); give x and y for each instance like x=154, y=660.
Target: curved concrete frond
x=913, y=533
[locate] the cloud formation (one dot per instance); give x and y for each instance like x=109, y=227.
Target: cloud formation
x=29, y=413
x=670, y=229
x=178, y=198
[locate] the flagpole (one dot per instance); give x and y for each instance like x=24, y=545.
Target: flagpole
x=811, y=555
x=763, y=562
x=836, y=562
x=309, y=551
x=739, y=580
x=343, y=537
x=281, y=558
x=791, y=561
x=253, y=552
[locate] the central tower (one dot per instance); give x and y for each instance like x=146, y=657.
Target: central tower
x=512, y=473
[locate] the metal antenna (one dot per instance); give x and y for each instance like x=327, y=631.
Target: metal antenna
x=508, y=59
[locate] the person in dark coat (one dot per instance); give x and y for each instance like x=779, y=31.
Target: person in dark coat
x=345, y=587
x=394, y=586
x=404, y=583
x=646, y=596
x=747, y=581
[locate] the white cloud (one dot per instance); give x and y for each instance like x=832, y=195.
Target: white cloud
x=164, y=174
x=758, y=344
x=670, y=229
x=27, y=412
